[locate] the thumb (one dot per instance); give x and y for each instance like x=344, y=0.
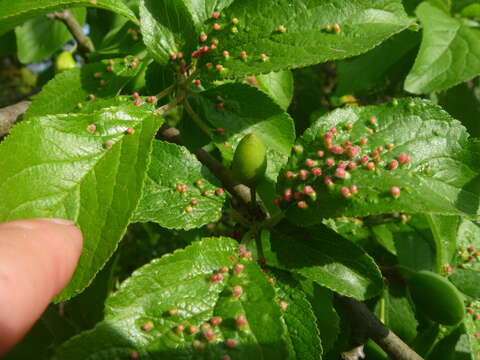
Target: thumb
x=37, y=259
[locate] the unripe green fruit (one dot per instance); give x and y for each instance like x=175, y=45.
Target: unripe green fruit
x=250, y=160
x=64, y=61
x=436, y=297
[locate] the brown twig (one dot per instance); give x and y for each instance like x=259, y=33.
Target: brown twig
x=366, y=324
x=10, y=115
x=85, y=45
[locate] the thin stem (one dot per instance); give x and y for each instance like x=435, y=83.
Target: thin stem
x=10, y=115
x=85, y=45
x=253, y=196
x=165, y=92
x=201, y=124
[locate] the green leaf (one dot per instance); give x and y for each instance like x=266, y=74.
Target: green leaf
x=328, y=321
x=182, y=282
x=41, y=37
x=53, y=166
x=364, y=25
x=467, y=281
x=461, y=102
x=299, y=318
x=457, y=345
x=173, y=208
x=13, y=13
x=372, y=68
x=440, y=177
x=326, y=258
x=444, y=230
x=247, y=110
x=69, y=91
x=278, y=85
x=449, y=54
x=166, y=27
x=395, y=311
x=202, y=10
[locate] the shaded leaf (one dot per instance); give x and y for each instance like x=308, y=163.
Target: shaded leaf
x=326, y=258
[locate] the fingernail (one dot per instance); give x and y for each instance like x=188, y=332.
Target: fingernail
x=58, y=221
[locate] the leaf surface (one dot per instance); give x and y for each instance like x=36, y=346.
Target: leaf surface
x=449, y=53
x=173, y=208
x=439, y=173
x=182, y=282
x=53, y=166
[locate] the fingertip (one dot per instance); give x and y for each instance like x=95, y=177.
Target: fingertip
x=37, y=259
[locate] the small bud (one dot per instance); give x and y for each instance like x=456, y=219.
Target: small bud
x=193, y=329
x=264, y=57
x=79, y=106
x=216, y=320
x=181, y=188
x=173, y=311
x=349, y=126
x=338, y=150
x=241, y=321
x=243, y=55
x=231, y=343
x=216, y=278
x=352, y=165
x=353, y=152
x=328, y=181
x=404, y=158
x=173, y=57
x=341, y=173
x=147, y=326
x=198, y=345
x=188, y=209
x=226, y=357
x=373, y=120
x=238, y=268
x=237, y=291
x=316, y=172
x=137, y=102
x=298, y=195
x=320, y=154
x=179, y=329
x=91, y=96
x=302, y=204
x=221, y=106
x=370, y=131
x=395, y=191
x=287, y=194
x=219, y=67
x=197, y=82
x=310, y=163
x=97, y=75
x=290, y=175
x=298, y=149
x=278, y=201
x=151, y=99
x=226, y=54
x=303, y=174
x=199, y=183
x=345, y=191
x=133, y=354
x=209, y=335
x=108, y=144
x=393, y=165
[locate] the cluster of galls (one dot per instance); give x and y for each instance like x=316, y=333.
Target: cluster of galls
x=206, y=191
x=468, y=258
x=99, y=75
x=334, y=165
x=91, y=128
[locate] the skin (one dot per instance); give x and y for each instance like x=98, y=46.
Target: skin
x=37, y=259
